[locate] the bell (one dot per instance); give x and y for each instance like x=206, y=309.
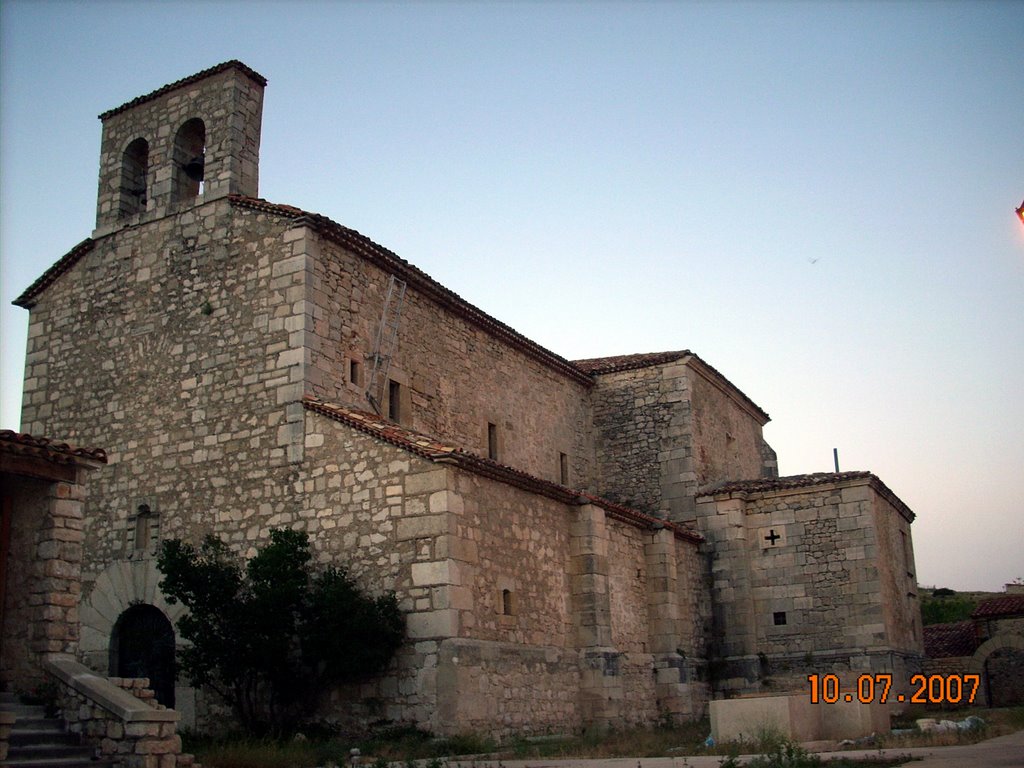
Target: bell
x=194, y=168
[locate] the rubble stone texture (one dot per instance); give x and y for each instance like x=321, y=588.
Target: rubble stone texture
x=219, y=348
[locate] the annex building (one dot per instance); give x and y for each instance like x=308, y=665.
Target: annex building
x=575, y=543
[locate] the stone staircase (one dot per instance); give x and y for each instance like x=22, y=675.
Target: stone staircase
x=38, y=741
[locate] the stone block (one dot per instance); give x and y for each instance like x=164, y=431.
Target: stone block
x=423, y=482
x=432, y=624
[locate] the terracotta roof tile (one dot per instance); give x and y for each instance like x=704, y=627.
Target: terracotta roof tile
x=233, y=64
x=598, y=365
x=942, y=641
x=438, y=451
x=62, y=453
x=1011, y=605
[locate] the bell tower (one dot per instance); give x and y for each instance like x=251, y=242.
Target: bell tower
x=192, y=141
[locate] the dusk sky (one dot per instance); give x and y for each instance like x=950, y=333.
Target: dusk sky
x=816, y=198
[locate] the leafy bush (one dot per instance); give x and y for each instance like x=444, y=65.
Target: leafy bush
x=272, y=638
x=945, y=606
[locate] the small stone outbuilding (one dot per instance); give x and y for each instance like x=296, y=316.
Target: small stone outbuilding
x=990, y=645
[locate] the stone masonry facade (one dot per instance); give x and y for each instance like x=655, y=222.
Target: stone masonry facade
x=562, y=536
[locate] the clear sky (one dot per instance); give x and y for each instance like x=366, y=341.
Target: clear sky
x=817, y=198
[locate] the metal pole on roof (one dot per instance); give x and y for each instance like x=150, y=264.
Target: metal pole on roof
x=835, y=458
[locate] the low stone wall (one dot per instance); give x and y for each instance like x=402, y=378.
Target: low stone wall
x=119, y=716
x=794, y=716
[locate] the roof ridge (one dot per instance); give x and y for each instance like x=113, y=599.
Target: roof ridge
x=27, y=298
x=390, y=261
x=215, y=69
x=435, y=450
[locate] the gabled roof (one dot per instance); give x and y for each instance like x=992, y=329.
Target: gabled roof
x=1011, y=605
x=24, y=444
x=942, y=641
x=252, y=74
x=27, y=299
x=809, y=482
x=595, y=366
x=442, y=452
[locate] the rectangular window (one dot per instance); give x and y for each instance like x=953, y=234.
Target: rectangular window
x=492, y=441
x=355, y=373
x=394, y=400
x=563, y=469
x=780, y=618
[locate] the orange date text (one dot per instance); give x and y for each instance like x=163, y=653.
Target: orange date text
x=925, y=689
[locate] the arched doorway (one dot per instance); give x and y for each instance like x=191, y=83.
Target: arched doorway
x=1004, y=677
x=142, y=645
x=999, y=661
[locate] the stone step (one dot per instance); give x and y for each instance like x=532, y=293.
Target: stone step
x=50, y=752
x=54, y=735
x=24, y=711
x=56, y=762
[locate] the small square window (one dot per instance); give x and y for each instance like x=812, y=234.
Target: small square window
x=780, y=618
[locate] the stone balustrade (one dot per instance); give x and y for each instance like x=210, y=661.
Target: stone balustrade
x=119, y=716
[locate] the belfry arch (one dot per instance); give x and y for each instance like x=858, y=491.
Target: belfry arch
x=133, y=190
x=189, y=158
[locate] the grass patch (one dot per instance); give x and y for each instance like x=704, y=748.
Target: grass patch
x=252, y=753
x=633, y=742
x=405, y=745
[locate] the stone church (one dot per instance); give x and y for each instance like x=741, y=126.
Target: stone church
x=597, y=542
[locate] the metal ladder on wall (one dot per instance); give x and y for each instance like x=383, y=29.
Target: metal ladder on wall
x=384, y=346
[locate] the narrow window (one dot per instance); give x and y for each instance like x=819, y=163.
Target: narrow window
x=563, y=469
x=394, y=400
x=143, y=528
x=507, y=602
x=492, y=443
x=134, y=173
x=189, y=160
x=355, y=374
x=780, y=618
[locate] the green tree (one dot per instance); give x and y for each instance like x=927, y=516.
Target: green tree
x=945, y=606
x=271, y=638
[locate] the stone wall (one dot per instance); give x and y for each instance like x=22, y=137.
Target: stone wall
x=798, y=586
x=637, y=427
x=179, y=367
x=456, y=377
x=43, y=573
x=901, y=609
x=664, y=430
x=727, y=438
